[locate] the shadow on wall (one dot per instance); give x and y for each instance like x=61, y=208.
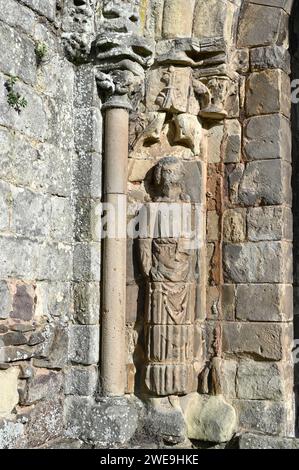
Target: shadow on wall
x=294, y=51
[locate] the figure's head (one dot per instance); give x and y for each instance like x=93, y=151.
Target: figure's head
x=169, y=171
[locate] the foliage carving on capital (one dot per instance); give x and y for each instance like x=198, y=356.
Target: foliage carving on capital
x=117, y=88
x=213, y=93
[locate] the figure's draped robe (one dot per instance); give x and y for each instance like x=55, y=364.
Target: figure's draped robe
x=170, y=314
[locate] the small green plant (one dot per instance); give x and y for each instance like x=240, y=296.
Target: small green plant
x=41, y=50
x=14, y=99
x=11, y=82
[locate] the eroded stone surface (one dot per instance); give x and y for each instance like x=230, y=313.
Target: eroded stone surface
x=261, y=416
x=111, y=421
x=268, y=92
x=258, y=262
x=275, y=302
x=255, y=340
x=259, y=381
x=266, y=21
x=210, y=419
x=256, y=441
x=267, y=137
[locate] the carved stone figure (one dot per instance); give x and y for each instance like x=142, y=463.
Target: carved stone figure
x=168, y=180
x=169, y=267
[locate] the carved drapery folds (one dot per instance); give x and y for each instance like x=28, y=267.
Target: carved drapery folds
x=169, y=265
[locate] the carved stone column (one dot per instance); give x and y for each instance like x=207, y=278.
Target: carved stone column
x=119, y=75
x=106, y=34
x=114, y=89
x=114, y=250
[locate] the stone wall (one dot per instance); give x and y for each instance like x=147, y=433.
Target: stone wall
x=226, y=122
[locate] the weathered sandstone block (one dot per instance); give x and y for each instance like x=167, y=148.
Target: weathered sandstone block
x=256, y=340
x=285, y=4
x=178, y=18
x=267, y=182
x=261, y=416
x=234, y=225
x=232, y=141
x=81, y=381
x=271, y=57
x=18, y=56
x=47, y=9
x=84, y=344
x=274, y=302
x=257, y=441
x=209, y=419
x=268, y=137
x=270, y=223
x=9, y=396
x=268, y=92
x=220, y=14
x=260, y=25
x=259, y=381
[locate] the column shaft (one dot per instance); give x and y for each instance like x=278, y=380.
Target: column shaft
x=113, y=367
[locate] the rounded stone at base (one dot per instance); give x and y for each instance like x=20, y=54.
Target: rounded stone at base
x=209, y=418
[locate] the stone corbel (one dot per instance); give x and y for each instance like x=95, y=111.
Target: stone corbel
x=213, y=93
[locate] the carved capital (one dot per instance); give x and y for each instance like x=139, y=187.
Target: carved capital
x=121, y=61
x=121, y=54
x=213, y=94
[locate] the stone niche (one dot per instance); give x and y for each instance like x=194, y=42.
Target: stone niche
x=209, y=284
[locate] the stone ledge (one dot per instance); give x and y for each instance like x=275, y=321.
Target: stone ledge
x=256, y=441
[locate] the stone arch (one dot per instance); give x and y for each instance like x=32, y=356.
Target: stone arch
x=294, y=48
x=266, y=31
